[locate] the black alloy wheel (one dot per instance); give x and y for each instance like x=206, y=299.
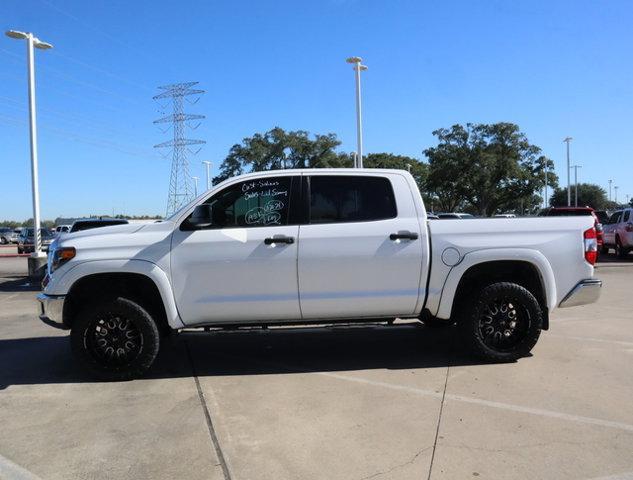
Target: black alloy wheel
x=115, y=339
x=501, y=322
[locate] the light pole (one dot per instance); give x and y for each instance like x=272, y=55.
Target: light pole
x=616, y=193
x=567, y=140
x=208, y=166
x=576, y=167
x=358, y=67
x=545, y=171
x=195, y=185
x=38, y=258
x=610, y=182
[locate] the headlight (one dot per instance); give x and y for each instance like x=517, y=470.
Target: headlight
x=61, y=256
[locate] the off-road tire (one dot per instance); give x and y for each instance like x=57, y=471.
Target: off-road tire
x=475, y=319
x=128, y=326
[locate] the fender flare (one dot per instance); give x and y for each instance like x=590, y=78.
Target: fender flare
x=471, y=259
x=141, y=267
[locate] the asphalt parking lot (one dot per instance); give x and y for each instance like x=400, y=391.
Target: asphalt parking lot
x=373, y=402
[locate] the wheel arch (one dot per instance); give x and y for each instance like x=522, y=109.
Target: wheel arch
x=529, y=269
x=142, y=281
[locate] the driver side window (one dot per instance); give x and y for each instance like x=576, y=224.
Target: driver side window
x=253, y=203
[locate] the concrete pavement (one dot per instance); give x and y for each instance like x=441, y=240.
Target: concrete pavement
x=370, y=402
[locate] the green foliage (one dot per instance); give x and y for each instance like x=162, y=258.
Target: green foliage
x=419, y=170
x=10, y=224
x=43, y=223
x=589, y=194
x=278, y=149
x=486, y=169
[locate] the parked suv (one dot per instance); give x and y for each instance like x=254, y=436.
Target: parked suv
x=8, y=235
x=576, y=211
x=618, y=233
x=26, y=240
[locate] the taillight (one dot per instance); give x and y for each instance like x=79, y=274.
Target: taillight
x=591, y=245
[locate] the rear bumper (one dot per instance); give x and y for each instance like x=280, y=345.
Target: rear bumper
x=50, y=310
x=586, y=291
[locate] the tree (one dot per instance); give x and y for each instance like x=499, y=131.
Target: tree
x=589, y=194
x=277, y=149
x=486, y=168
x=419, y=170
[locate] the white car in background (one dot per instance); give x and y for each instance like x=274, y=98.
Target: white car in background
x=618, y=233
x=59, y=229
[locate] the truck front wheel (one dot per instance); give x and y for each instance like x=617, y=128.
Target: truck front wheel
x=502, y=322
x=115, y=339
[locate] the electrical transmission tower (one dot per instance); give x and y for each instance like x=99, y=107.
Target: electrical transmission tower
x=181, y=190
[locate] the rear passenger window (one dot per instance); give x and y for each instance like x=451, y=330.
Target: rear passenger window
x=626, y=216
x=335, y=199
x=615, y=218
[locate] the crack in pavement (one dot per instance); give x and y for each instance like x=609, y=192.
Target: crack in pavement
x=439, y=420
x=207, y=415
x=400, y=465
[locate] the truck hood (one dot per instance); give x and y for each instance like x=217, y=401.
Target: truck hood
x=111, y=230
x=148, y=242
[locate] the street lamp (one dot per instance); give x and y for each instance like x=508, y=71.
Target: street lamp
x=610, y=182
x=358, y=67
x=195, y=181
x=616, y=193
x=576, y=167
x=38, y=258
x=567, y=140
x=545, y=171
x=208, y=166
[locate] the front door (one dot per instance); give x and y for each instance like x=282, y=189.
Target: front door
x=243, y=267
x=360, y=255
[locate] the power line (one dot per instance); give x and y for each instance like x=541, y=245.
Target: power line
x=101, y=70
x=105, y=34
x=96, y=142
x=76, y=80
x=77, y=120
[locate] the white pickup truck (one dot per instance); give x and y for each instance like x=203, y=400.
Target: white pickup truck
x=313, y=246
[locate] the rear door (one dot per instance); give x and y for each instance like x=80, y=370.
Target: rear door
x=610, y=228
x=360, y=253
x=625, y=229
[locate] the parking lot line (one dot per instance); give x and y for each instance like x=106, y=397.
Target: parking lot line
x=617, y=476
x=10, y=470
x=460, y=398
x=591, y=339
x=487, y=403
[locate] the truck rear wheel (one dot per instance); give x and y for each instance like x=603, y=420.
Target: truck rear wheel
x=115, y=339
x=502, y=322
x=620, y=251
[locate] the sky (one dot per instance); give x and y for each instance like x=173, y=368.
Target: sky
x=556, y=68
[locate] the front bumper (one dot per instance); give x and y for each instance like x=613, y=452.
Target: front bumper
x=51, y=309
x=586, y=291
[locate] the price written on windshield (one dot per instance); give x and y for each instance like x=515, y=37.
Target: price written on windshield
x=267, y=215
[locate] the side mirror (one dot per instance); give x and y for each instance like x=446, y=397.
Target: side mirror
x=201, y=216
